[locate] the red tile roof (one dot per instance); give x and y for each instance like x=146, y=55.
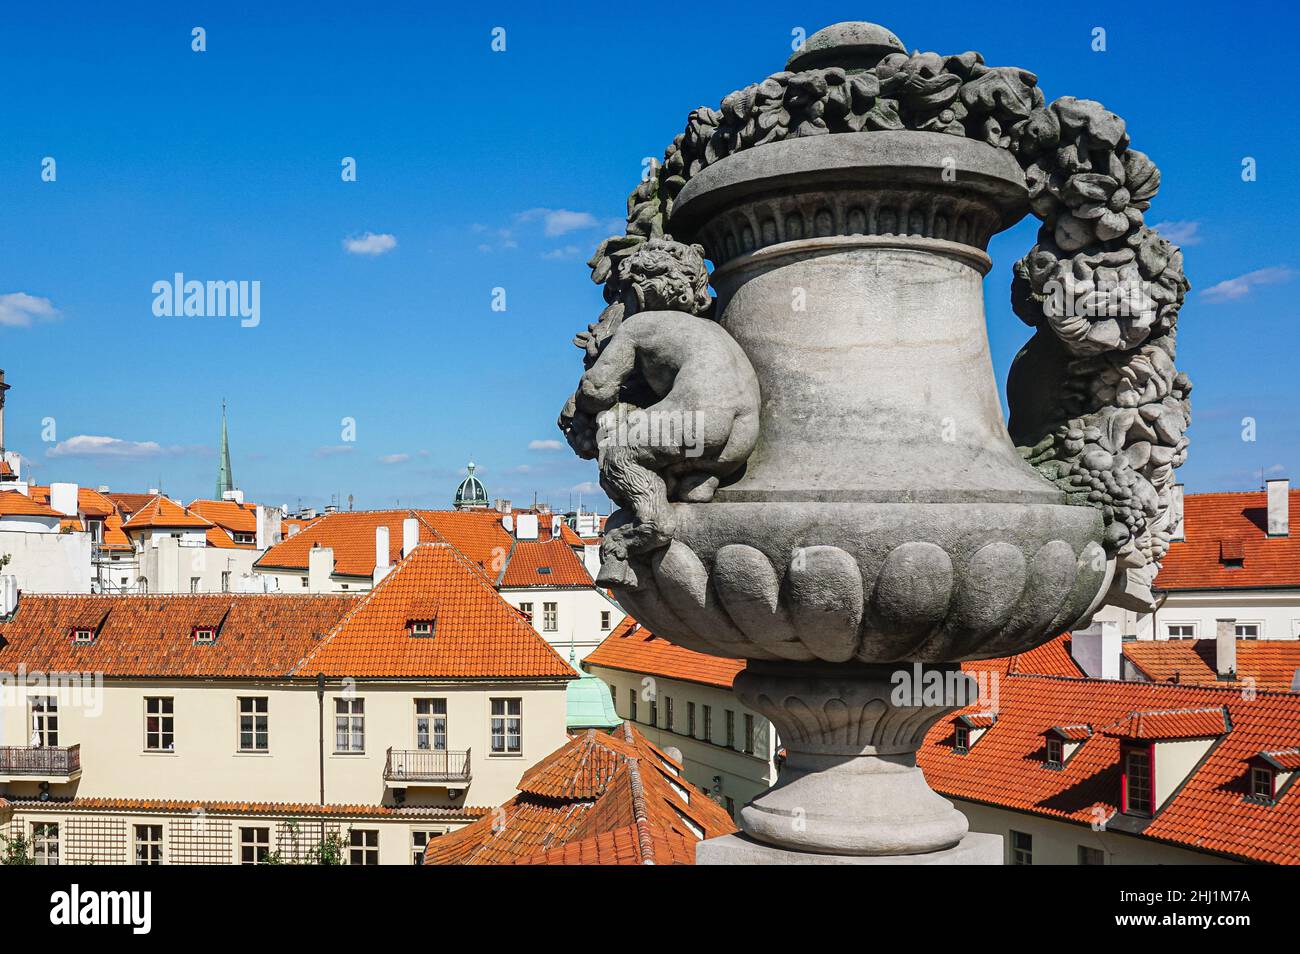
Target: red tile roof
x=549, y=564
x=477, y=633
x=633, y=648
x=129, y=503
x=15, y=504
x=1272, y=664
x=1288, y=760
x=162, y=513
x=600, y=799
x=114, y=538
x=1170, y=724
x=227, y=514
x=186, y=806
x=1230, y=526
x=89, y=501
x=1209, y=812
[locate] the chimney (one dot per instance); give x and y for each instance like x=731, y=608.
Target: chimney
x=526, y=526
x=260, y=517
x=1176, y=513
x=320, y=565
x=410, y=535
x=1225, y=648
x=237, y=496
x=1097, y=649
x=63, y=498
x=8, y=587
x=1279, y=507
x=382, y=565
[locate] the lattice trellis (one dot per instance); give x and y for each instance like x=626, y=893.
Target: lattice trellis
x=95, y=841
x=199, y=840
x=296, y=840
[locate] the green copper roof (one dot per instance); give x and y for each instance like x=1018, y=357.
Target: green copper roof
x=225, y=480
x=470, y=492
x=588, y=704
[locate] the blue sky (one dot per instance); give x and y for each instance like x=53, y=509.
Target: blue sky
x=504, y=169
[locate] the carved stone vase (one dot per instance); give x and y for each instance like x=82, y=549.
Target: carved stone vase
x=884, y=517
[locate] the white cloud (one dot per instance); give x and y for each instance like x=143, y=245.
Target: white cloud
x=556, y=222
x=1239, y=287
x=90, y=445
x=586, y=487
x=568, y=251
x=1180, y=232
x=546, y=445
x=333, y=450
x=370, y=243
x=394, y=458
x=21, y=310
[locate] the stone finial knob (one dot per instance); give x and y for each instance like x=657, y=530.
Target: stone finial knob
x=853, y=45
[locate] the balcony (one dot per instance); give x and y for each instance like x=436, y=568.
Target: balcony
x=23, y=763
x=406, y=768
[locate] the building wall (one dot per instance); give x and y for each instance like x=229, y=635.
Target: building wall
x=1278, y=612
x=1057, y=842
x=578, y=618
x=709, y=763
x=116, y=571
x=48, y=562
x=206, y=764
x=170, y=565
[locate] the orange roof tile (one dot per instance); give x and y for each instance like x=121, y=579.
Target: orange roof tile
x=227, y=514
x=1230, y=526
x=129, y=503
x=1168, y=724
x=1272, y=664
x=15, y=504
x=90, y=502
x=114, y=538
x=633, y=648
x=551, y=564
x=1288, y=760
x=351, y=535
x=163, y=513
x=599, y=799
x=478, y=634
x=1208, y=813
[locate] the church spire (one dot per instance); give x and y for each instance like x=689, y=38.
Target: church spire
x=225, y=480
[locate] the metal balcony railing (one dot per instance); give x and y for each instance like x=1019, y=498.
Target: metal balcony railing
x=426, y=765
x=40, y=760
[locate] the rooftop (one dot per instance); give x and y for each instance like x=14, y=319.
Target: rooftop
x=1222, y=529
x=1271, y=664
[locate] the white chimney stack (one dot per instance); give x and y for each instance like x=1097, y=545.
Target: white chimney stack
x=410, y=535
x=526, y=526
x=8, y=594
x=1225, y=648
x=1279, y=507
x=320, y=567
x=1176, y=532
x=63, y=499
x=237, y=496
x=382, y=562
x=1098, y=649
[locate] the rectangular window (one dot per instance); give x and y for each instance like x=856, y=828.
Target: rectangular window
x=961, y=739
x=422, y=627
x=729, y=720
x=507, y=726
x=254, y=845
x=1181, y=630
x=708, y=724
x=349, y=725
x=431, y=724
x=1248, y=630
x=631, y=704
x=45, y=843
x=1261, y=784
x=254, y=726
x=225, y=581
x=1137, y=781
x=84, y=636
x=654, y=712
x=159, y=724
x=205, y=635
x=363, y=846
x=194, y=584
x=604, y=620
x=1091, y=856
x=730, y=804
x=45, y=721
x=527, y=610
x=1022, y=848
x=550, y=617
x=668, y=713
x=148, y=844
x=1055, y=753
x=749, y=734
x=690, y=719
x=420, y=841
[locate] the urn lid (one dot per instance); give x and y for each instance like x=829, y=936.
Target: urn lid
x=854, y=45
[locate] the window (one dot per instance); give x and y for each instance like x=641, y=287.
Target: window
x=668, y=713
x=1091, y=856
x=254, y=734
x=304, y=582
x=604, y=620
x=961, y=739
x=422, y=627
x=730, y=722
x=1022, y=848
x=246, y=538
x=749, y=734
x=159, y=724
x=148, y=844
x=431, y=724
x=1137, y=781
x=254, y=845
x=654, y=712
x=550, y=617
x=205, y=635
x=84, y=636
x=349, y=725
x=708, y=723
x=507, y=726
x=45, y=843
x=1055, y=752
x=730, y=804
x=1262, y=784
x=194, y=584
x=631, y=704
x=1181, y=630
x=419, y=841
x=690, y=719
x=527, y=610
x=45, y=722
x=363, y=846
x=225, y=581
x=1248, y=630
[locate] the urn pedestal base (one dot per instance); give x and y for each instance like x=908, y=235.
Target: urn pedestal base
x=850, y=785
x=975, y=849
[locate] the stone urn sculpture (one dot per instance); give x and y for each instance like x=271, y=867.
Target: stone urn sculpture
x=812, y=466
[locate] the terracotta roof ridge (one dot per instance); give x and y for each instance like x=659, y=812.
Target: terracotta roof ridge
x=1234, y=688
x=505, y=565
x=644, y=835
x=325, y=640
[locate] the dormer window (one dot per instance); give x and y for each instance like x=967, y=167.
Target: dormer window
x=1263, y=784
x=961, y=739
x=969, y=728
x=205, y=635
x=1136, y=795
x=82, y=636
x=423, y=627
x=245, y=538
x=1055, y=752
